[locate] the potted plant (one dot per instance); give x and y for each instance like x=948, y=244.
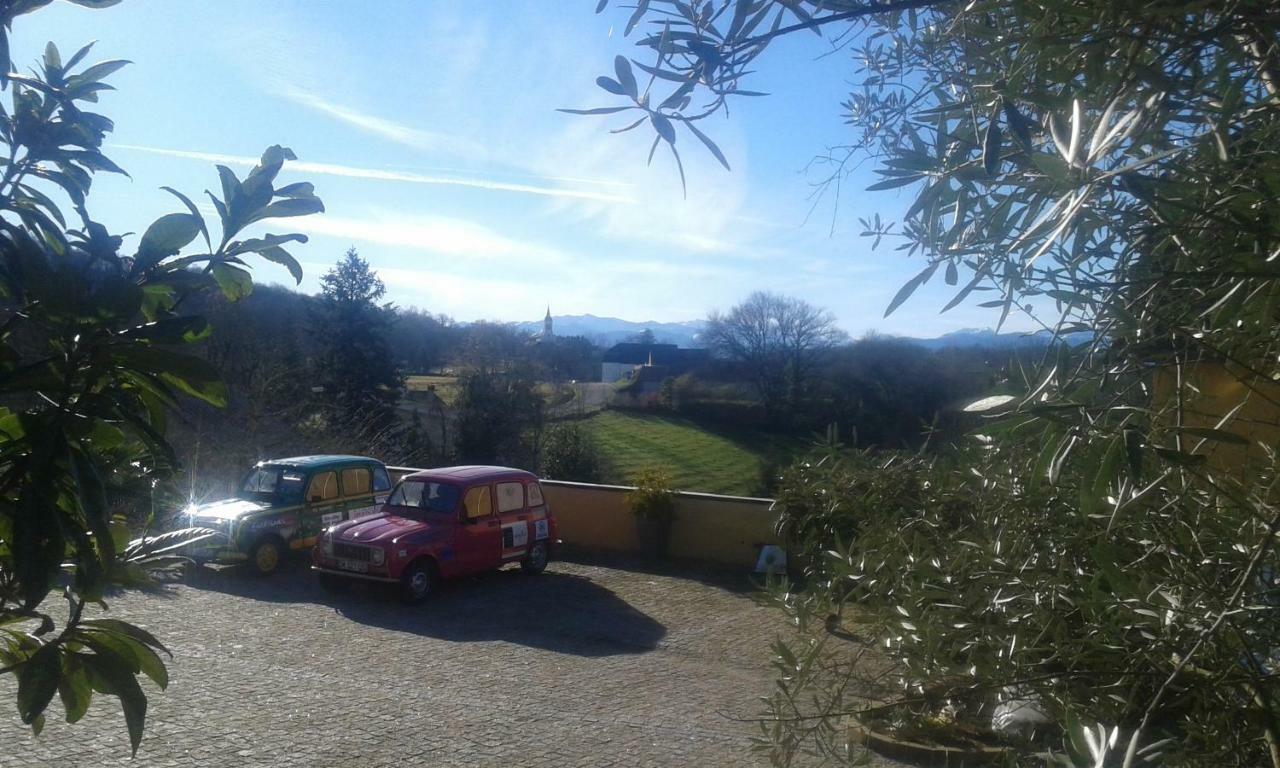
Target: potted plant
x=653, y=504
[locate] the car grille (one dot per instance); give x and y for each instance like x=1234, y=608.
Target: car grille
x=352, y=552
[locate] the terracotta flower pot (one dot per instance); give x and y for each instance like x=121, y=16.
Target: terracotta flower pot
x=652, y=535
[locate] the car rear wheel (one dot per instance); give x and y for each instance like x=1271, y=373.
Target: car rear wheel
x=265, y=556
x=535, y=561
x=334, y=584
x=417, y=583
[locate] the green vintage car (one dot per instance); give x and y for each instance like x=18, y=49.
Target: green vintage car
x=284, y=504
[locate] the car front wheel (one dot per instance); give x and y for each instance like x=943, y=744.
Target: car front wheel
x=535, y=561
x=417, y=583
x=265, y=556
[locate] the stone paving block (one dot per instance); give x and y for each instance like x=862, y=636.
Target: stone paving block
x=584, y=665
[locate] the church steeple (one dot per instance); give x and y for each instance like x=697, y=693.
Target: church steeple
x=546, y=324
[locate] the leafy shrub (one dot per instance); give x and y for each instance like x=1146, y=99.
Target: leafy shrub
x=570, y=453
x=499, y=418
x=652, y=498
x=92, y=362
x=979, y=577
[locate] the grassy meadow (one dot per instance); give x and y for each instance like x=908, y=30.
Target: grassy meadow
x=697, y=457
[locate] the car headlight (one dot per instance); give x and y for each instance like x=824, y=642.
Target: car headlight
x=378, y=556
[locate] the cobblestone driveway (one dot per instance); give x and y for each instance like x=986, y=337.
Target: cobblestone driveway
x=582, y=666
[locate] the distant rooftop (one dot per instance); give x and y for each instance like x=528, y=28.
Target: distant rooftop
x=634, y=353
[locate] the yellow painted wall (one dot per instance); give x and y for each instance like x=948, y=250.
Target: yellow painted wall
x=1214, y=391
x=719, y=529
x=591, y=516
x=727, y=530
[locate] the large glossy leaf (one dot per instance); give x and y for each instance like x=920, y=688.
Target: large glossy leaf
x=289, y=206
x=622, y=68
x=112, y=675
x=1217, y=435
x=101, y=69
x=38, y=682
x=987, y=404
x=596, y=110
x=282, y=257
x=74, y=688
x=166, y=236
x=710, y=145
x=910, y=287
x=195, y=213
x=189, y=374
x=258, y=243
x=235, y=282
x=171, y=330
x=611, y=85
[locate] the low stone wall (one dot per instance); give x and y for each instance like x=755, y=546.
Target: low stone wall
x=727, y=530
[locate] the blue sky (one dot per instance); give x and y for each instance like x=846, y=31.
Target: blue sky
x=430, y=131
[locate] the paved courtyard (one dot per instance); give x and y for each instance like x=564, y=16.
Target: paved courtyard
x=585, y=665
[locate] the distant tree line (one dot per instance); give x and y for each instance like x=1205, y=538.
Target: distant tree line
x=781, y=363
x=328, y=372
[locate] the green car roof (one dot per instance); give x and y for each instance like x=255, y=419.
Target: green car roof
x=322, y=460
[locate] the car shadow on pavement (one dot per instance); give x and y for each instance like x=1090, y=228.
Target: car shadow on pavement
x=560, y=612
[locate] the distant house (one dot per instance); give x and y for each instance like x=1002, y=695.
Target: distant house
x=628, y=360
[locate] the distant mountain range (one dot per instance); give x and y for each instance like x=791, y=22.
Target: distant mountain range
x=985, y=337
x=607, y=331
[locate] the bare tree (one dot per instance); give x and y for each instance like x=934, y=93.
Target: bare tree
x=778, y=340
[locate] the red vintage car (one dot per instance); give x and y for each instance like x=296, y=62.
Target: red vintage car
x=439, y=524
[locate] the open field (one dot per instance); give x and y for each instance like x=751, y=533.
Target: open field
x=698, y=457
x=446, y=386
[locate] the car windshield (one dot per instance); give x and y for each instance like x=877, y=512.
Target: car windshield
x=273, y=484
x=425, y=495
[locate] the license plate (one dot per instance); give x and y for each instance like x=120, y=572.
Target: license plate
x=353, y=565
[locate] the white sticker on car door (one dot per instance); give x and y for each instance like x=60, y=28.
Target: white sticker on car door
x=540, y=529
x=515, y=535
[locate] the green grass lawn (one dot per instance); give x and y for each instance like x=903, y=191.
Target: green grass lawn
x=446, y=386
x=698, y=457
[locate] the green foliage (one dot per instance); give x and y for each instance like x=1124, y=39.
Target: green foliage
x=1094, y=166
x=653, y=497
x=569, y=452
x=667, y=394
x=499, y=419
x=780, y=343
x=91, y=363
x=977, y=583
x=355, y=365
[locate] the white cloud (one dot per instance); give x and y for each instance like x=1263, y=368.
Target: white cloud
x=375, y=174
x=462, y=296
x=416, y=138
x=437, y=235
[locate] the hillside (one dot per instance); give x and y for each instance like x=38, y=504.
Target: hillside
x=697, y=457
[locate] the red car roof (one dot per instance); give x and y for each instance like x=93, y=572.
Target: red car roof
x=470, y=473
